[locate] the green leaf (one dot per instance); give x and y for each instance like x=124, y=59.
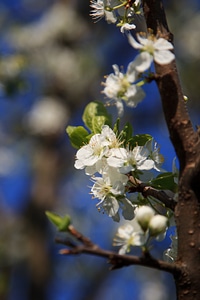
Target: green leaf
x=98, y=122
x=62, y=223
x=126, y=133
x=116, y=127
x=66, y=221
x=139, y=140
x=164, y=181
x=95, y=115
x=77, y=135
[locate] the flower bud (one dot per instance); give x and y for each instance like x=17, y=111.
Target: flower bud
x=158, y=224
x=144, y=215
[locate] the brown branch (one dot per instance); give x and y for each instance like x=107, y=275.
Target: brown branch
x=186, y=143
x=180, y=127
x=116, y=260
x=147, y=191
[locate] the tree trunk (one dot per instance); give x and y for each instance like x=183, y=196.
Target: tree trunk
x=187, y=146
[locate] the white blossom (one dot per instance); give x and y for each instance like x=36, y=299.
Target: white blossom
x=90, y=154
x=107, y=188
x=130, y=160
x=155, y=155
x=110, y=190
x=119, y=86
x=109, y=137
x=107, y=185
x=99, y=11
x=48, y=116
x=127, y=237
x=151, y=49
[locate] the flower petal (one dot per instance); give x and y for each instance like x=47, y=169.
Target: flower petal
x=143, y=61
x=162, y=44
x=163, y=57
x=133, y=42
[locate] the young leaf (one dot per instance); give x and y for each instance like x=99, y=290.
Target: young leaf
x=98, y=122
x=62, y=223
x=126, y=133
x=164, y=181
x=95, y=115
x=139, y=140
x=77, y=135
x=116, y=127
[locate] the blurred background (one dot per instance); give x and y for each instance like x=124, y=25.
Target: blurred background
x=52, y=62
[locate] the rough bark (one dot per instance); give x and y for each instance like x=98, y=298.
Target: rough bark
x=186, y=143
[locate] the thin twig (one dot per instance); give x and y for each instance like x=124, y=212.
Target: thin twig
x=117, y=260
x=147, y=190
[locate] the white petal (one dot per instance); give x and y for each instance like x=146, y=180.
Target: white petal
x=128, y=209
x=162, y=44
x=139, y=239
x=131, y=71
x=120, y=107
x=143, y=40
x=79, y=164
x=130, y=94
x=123, y=249
x=133, y=42
x=125, y=231
x=90, y=170
x=110, y=17
x=163, y=57
x=143, y=61
x=134, y=95
x=146, y=165
x=116, y=69
x=111, y=206
x=127, y=27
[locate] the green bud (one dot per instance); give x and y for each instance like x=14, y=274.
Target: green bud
x=62, y=223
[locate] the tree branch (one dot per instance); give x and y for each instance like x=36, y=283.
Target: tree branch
x=147, y=190
x=180, y=127
x=186, y=143
x=116, y=260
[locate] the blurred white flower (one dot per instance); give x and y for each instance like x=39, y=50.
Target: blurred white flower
x=119, y=86
x=155, y=155
x=99, y=11
x=107, y=188
x=151, y=49
x=127, y=237
x=8, y=161
x=48, y=116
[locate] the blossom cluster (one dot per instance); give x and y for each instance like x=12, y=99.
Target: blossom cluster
x=108, y=161
x=111, y=157
x=146, y=225
x=121, y=12
x=127, y=87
